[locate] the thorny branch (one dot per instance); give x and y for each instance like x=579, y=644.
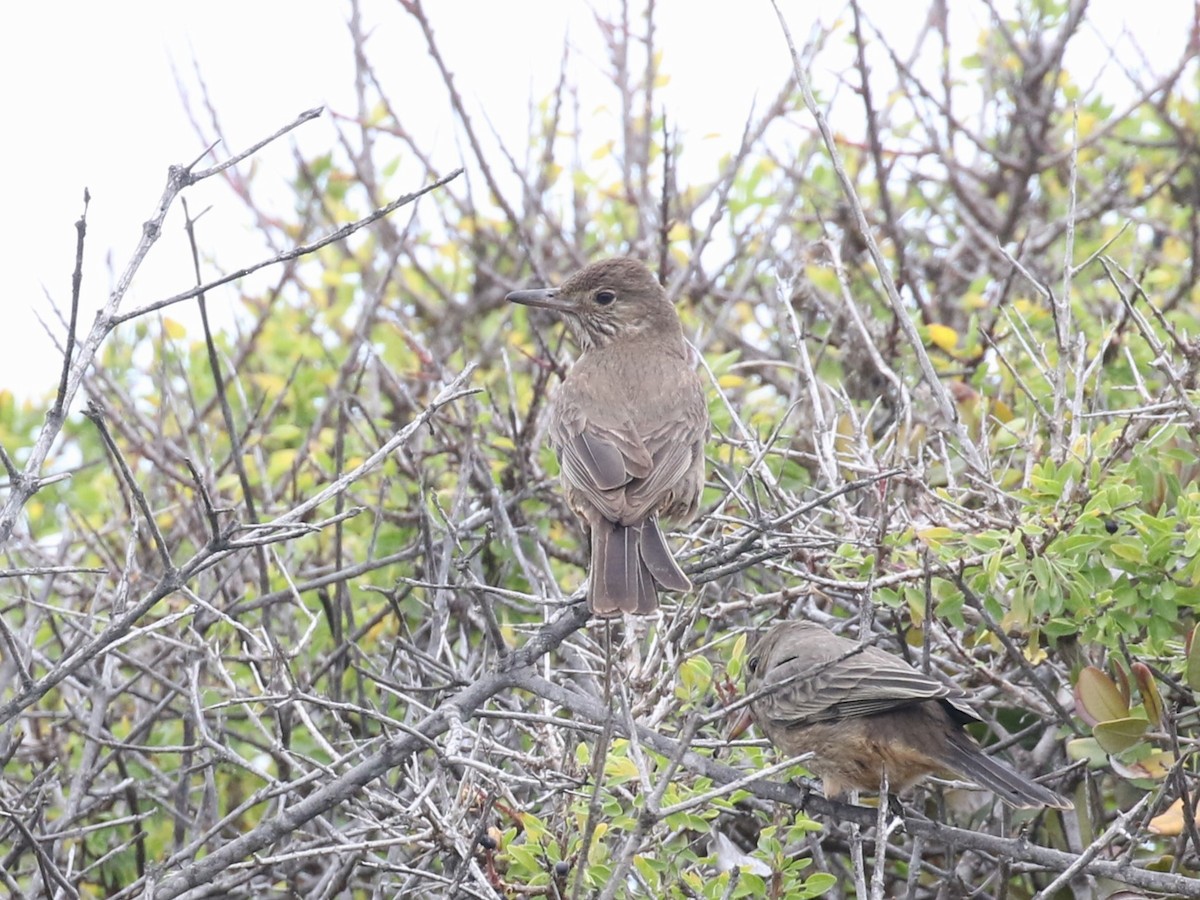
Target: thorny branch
x=399, y=693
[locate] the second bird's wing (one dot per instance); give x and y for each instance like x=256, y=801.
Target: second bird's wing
x=841, y=679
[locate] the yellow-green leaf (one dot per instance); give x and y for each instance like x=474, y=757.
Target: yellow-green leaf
x=936, y=536
x=598, y=852
x=620, y=767
x=1130, y=551
x=1192, y=672
x=1097, y=698
x=696, y=674
x=737, y=658
x=287, y=433
x=280, y=462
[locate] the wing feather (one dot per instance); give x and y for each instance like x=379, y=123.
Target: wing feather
x=842, y=679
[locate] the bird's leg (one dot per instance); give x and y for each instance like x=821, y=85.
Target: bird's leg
x=890, y=800
x=804, y=786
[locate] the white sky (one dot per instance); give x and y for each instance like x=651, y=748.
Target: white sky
x=90, y=99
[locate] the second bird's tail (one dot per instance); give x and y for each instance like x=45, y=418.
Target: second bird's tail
x=964, y=756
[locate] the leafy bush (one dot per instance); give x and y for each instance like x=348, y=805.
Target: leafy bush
x=302, y=613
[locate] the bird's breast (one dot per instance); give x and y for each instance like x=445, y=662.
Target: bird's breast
x=648, y=382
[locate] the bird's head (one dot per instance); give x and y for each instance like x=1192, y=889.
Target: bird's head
x=612, y=298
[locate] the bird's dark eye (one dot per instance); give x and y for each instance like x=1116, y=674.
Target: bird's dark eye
x=605, y=297
x=752, y=665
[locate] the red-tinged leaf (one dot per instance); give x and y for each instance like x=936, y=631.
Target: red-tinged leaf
x=1152, y=700
x=1154, y=767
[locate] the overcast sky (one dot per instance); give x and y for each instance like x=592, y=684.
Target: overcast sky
x=91, y=99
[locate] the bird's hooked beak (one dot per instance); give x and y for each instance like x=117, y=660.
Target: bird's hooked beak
x=543, y=298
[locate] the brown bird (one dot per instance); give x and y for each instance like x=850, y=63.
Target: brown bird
x=862, y=711
x=628, y=424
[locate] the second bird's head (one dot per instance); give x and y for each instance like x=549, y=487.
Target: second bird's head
x=610, y=299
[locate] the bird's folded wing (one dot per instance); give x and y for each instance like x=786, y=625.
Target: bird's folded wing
x=822, y=691
x=599, y=462
x=672, y=462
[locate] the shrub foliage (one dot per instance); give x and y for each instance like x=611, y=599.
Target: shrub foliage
x=294, y=607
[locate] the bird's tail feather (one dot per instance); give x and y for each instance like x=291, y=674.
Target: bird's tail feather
x=659, y=560
x=619, y=581
x=965, y=757
x=628, y=564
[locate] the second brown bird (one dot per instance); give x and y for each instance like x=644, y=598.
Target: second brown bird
x=861, y=712
x=629, y=424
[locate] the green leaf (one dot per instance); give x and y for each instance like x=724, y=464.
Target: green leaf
x=524, y=857
x=1119, y=734
x=1060, y=628
x=1192, y=670
x=818, y=883
x=1087, y=748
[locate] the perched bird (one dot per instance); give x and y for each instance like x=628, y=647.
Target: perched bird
x=628, y=424
x=861, y=711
